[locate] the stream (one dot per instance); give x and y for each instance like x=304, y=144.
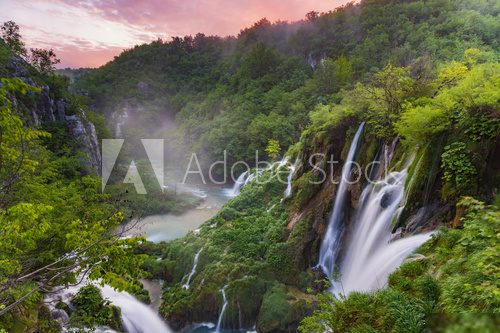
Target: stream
x=167, y=227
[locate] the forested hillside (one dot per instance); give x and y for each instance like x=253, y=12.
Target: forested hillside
x=235, y=94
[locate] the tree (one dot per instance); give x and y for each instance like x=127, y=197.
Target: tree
x=273, y=148
x=311, y=16
x=385, y=95
x=333, y=75
x=15, y=139
x=52, y=230
x=44, y=60
x=12, y=37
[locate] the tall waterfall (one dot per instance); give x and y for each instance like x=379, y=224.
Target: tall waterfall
x=370, y=254
x=193, y=270
x=223, y=310
x=330, y=244
x=137, y=317
x=238, y=184
x=288, y=190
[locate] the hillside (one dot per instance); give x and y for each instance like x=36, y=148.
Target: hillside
x=235, y=94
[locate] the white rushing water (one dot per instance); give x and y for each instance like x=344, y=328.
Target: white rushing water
x=370, y=254
x=330, y=244
x=136, y=316
x=193, y=270
x=223, y=310
x=253, y=176
x=288, y=190
x=239, y=184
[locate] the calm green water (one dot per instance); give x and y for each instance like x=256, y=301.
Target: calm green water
x=167, y=227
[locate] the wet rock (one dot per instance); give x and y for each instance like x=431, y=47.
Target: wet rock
x=85, y=133
x=60, y=316
x=46, y=109
x=320, y=279
x=60, y=110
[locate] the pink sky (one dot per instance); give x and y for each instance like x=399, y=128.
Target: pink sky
x=88, y=33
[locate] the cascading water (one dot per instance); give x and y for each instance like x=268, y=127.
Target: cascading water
x=223, y=310
x=251, y=177
x=330, y=244
x=137, y=317
x=238, y=184
x=370, y=254
x=288, y=190
x=193, y=270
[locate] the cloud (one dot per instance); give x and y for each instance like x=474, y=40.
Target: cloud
x=221, y=17
x=82, y=29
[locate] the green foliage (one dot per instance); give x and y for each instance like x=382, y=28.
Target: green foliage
x=273, y=148
x=397, y=65
x=55, y=222
x=275, y=309
x=385, y=96
x=44, y=60
x=92, y=309
x=246, y=245
x=333, y=76
x=235, y=93
x=459, y=172
x=420, y=123
x=15, y=137
x=12, y=37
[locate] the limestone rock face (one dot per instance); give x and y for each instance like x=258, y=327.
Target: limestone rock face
x=84, y=132
x=47, y=109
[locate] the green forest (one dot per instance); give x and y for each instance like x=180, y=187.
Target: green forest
x=411, y=83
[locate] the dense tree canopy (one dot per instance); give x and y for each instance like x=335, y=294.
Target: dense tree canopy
x=222, y=88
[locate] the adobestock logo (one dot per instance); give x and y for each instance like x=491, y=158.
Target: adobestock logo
x=324, y=167
x=155, y=148
x=155, y=151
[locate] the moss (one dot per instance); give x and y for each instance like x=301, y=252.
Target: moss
x=305, y=189
x=244, y=246
x=281, y=308
x=245, y=297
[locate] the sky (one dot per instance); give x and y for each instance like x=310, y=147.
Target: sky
x=89, y=33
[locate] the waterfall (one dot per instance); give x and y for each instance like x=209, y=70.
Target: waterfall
x=288, y=190
x=137, y=317
x=193, y=270
x=238, y=184
x=370, y=254
x=329, y=246
x=223, y=310
x=251, y=177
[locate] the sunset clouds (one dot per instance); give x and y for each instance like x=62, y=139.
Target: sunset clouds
x=90, y=32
